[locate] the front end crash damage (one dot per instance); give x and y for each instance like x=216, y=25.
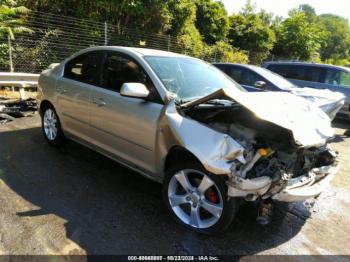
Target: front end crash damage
x=278, y=153
x=329, y=101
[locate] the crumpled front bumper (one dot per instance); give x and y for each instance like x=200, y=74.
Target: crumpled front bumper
x=307, y=186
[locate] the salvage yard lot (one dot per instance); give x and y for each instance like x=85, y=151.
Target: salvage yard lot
x=75, y=201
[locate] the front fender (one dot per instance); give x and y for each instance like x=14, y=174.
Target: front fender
x=213, y=149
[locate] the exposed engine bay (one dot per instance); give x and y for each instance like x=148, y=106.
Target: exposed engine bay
x=274, y=162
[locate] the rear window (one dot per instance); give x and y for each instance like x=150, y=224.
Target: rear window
x=85, y=68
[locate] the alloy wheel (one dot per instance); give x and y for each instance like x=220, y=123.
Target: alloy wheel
x=195, y=198
x=50, y=124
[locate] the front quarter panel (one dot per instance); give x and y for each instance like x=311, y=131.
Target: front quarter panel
x=213, y=149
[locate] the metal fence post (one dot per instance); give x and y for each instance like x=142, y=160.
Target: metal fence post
x=106, y=32
x=168, y=43
x=10, y=53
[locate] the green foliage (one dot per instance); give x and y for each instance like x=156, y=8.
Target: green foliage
x=308, y=10
x=337, y=46
x=211, y=20
x=299, y=39
x=224, y=52
x=199, y=28
x=9, y=25
x=251, y=32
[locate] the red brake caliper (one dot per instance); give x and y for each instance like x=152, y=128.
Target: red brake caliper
x=213, y=197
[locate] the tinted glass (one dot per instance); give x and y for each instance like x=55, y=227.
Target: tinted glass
x=299, y=72
x=120, y=69
x=337, y=77
x=190, y=78
x=279, y=69
x=344, y=79
x=274, y=78
x=235, y=73
x=313, y=73
x=85, y=68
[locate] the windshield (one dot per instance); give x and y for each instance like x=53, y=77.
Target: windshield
x=275, y=79
x=189, y=78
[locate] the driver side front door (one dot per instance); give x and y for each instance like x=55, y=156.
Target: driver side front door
x=121, y=126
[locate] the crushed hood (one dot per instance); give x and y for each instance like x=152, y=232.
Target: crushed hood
x=309, y=125
x=329, y=101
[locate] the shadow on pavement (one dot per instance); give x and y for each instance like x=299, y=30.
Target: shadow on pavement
x=112, y=210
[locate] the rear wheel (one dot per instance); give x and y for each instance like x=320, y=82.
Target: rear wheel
x=198, y=199
x=51, y=127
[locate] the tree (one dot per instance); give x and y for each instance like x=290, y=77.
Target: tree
x=211, y=20
x=337, y=44
x=309, y=12
x=297, y=38
x=224, y=52
x=248, y=31
x=11, y=24
x=145, y=15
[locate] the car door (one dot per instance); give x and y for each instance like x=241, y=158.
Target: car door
x=74, y=90
x=339, y=81
x=121, y=126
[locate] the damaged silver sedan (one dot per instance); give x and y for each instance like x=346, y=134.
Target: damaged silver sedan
x=184, y=123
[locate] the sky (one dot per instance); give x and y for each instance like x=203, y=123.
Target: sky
x=281, y=7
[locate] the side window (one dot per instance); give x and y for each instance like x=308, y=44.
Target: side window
x=249, y=78
x=236, y=74
x=332, y=77
x=84, y=68
x=295, y=72
x=279, y=69
x=344, y=79
x=119, y=69
x=222, y=67
x=313, y=73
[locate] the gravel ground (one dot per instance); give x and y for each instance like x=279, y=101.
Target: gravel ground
x=74, y=201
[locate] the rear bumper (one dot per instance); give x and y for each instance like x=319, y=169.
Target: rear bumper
x=307, y=186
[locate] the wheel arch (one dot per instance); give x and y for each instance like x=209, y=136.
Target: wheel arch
x=44, y=104
x=176, y=154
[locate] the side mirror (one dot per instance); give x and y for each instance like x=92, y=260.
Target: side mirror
x=135, y=90
x=260, y=84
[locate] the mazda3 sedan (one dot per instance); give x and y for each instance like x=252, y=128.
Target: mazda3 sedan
x=184, y=123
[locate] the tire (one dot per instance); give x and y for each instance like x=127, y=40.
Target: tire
x=51, y=127
x=188, y=203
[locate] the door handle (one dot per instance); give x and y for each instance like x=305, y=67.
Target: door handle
x=99, y=102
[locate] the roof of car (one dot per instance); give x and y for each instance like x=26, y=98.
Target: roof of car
x=140, y=51
x=241, y=65
x=304, y=63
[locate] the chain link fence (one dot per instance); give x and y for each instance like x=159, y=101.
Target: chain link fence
x=55, y=37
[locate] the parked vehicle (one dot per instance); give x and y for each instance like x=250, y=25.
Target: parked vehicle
x=184, y=123
x=320, y=76
x=255, y=78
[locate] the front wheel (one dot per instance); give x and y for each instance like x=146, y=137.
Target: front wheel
x=198, y=199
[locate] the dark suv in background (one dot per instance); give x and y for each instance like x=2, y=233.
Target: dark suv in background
x=320, y=76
